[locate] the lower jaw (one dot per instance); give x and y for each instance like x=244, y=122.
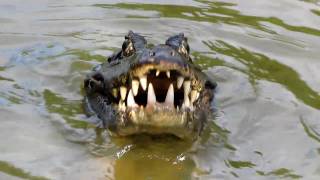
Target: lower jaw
x=179, y=124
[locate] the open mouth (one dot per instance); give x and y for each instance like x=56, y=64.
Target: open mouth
x=151, y=87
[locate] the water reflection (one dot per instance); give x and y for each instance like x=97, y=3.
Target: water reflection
x=214, y=12
x=311, y=132
x=161, y=157
x=267, y=109
x=259, y=66
x=9, y=169
x=148, y=158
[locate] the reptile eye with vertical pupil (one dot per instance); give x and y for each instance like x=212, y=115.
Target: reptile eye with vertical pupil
x=127, y=48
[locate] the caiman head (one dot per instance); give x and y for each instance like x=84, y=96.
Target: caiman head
x=150, y=89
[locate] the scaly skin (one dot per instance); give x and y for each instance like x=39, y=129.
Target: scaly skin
x=154, y=90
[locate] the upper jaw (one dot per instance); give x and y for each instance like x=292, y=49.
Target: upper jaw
x=157, y=87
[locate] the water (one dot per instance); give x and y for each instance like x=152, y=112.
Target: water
x=263, y=54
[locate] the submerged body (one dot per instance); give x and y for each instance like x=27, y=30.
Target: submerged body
x=153, y=90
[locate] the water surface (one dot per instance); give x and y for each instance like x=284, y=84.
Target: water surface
x=264, y=56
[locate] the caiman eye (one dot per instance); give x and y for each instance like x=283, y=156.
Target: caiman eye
x=127, y=48
x=184, y=48
x=180, y=44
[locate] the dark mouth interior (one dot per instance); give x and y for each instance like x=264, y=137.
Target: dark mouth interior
x=161, y=85
x=155, y=88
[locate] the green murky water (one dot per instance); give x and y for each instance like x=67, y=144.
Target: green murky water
x=265, y=56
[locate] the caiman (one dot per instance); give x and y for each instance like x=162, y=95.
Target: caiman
x=148, y=89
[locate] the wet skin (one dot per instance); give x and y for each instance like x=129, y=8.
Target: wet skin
x=155, y=90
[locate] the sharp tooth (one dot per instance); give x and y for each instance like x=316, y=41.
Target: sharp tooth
x=194, y=96
x=168, y=74
x=115, y=92
x=135, y=87
x=123, y=92
x=122, y=106
x=186, y=102
x=180, y=81
x=170, y=97
x=151, y=95
x=143, y=82
x=186, y=86
x=130, y=100
x=133, y=115
x=157, y=73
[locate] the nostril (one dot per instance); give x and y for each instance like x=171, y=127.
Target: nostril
x=91, y=84
x=98, y=77
x=94, y=82
x=152, y=53
x=210, y=85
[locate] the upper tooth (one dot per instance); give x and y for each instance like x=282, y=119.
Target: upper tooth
x=135, y=87
x=194, y=96
x=186, y=86
x=180, y=81
x=130, y=100
x=168, y=74
x=157, y=73
x=151, y=95
x=170, y=96
x=143, y=82
x=123, y=92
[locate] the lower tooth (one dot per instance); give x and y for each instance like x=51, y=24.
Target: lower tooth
x=123, y=92
x=186, y=86
x=121, y=106
x=130, y=100
x=115, y=92
x=170, y=96
x=151, y=95
x=186, y=102
x=194, y=96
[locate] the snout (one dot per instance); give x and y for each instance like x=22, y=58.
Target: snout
x=164, y=56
